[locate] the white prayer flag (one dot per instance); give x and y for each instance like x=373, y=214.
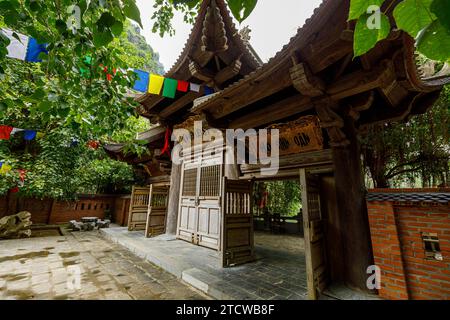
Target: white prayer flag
x=16, y=49
x=195, y=87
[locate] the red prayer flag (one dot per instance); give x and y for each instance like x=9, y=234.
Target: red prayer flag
x=93, y=145
x=22, y=174
x=14, y=190
x=183, y=86
x=5, y=132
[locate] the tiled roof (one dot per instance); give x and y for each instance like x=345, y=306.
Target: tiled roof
x=438, y=197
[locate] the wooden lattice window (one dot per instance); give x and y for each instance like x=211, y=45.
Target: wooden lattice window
x=431, y=246
x=190, y=182
x=159, y=200
x=210, y=181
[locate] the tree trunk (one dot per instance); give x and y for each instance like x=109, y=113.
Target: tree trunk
x=351, y=191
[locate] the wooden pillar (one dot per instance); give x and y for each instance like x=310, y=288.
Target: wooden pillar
x=174, y=198
x=354, y=224
x=231, y=168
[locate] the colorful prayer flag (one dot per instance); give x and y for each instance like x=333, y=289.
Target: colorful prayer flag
x=195, y=87
x=141, y=83
x=40, y=135
x=183, y=86
x=208, y=91
x=170, y=88
x=14, y=190
x=156, y=84
x=34, y=50
x=24, y=48
x=5, y=169
x=15, y=130
x=5, y=132
x=30, y=135
x=93, y=145
x=17, y=48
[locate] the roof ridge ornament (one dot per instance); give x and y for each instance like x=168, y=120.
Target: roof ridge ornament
x=214, y=36
x=245, y=34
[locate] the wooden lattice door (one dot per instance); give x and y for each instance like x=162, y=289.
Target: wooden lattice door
x=157, y=210
x=199, y=217
x=237, y=224
x=137, y=218
x=313, y=223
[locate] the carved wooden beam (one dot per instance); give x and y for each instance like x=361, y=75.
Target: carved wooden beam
x=255, y=90
x=274, y=112
x=362, y=80
x=179, y=104
x=305, y=82
x=200, y=73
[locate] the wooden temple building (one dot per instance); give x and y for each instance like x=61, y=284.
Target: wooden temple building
x=320, y=98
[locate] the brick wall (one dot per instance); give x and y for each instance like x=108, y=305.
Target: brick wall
x=397, y=220
x=49, y=211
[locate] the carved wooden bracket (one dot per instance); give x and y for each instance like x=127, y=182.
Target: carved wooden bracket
x=229, y=72
x=360, y=103
x=332, y=122
x=305, y=82
x=199, y=72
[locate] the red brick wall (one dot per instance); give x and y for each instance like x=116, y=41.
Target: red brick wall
x=48, y=211
x=396, y=232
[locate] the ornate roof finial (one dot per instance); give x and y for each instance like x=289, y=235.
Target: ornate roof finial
x=214, y=35
x=245, y=34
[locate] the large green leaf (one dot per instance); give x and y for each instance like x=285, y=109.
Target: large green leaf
x=102, y=39
x=365, y=38
x=413, y=15
x=434, y=42
x=441, y=8
x=359, y=7
x=241, y=9
x=132, y=11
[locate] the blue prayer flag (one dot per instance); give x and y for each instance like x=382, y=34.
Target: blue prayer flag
x=34, y=49
x=30, y=135
x=142, y=80
x=208, y=91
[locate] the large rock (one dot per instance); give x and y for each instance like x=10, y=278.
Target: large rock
x=16, y=226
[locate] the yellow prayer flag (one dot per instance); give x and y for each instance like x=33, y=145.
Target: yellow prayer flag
x=5, y=169
x=39, y=135
x=156, y=84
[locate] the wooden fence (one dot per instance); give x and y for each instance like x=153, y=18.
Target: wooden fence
x=50, y=211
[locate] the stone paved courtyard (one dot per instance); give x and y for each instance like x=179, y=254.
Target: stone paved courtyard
x=279, y=272
x=39, y=268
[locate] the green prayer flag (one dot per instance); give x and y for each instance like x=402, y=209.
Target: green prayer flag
x=170, y=88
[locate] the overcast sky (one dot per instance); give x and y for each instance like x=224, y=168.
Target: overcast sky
x=272, y=23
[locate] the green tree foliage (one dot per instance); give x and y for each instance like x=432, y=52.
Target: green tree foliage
x=425, y=20
x=284, y=197
x=418, y=150
x=60, y=165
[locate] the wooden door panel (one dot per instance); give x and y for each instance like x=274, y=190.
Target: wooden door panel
x=137, y=218
x=315, y=251
x=237, y=223
x=157, y=210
